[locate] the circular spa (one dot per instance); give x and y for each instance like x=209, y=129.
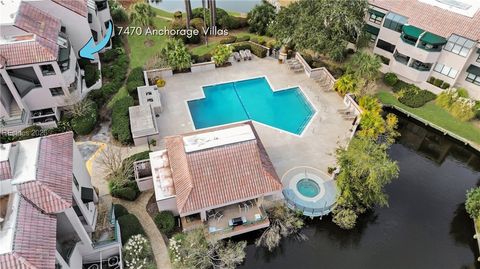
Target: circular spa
x=309, y=190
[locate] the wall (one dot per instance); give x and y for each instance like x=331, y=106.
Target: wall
x=202, y=67
x=169, y=204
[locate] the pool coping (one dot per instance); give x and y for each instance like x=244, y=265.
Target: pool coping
x=263, y=124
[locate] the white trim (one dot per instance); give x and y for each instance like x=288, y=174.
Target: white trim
x=263, y=124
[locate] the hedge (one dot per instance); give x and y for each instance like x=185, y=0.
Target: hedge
x=125, y=193
x=119, y=210
x=121, y=121
x=83, y=125
x=130, y=226
x=415, y=97
x=390, y=79
x=243, y=38
x=256, y=49
x=91, y=74
x=135, y=79
x=228, y=40
x=165, y=222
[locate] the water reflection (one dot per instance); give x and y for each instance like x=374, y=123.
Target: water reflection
x=425, y=226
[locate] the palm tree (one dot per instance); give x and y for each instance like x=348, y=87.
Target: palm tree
x=141, y=14
x=212, y=6
x=365, y=67
x=188, y=11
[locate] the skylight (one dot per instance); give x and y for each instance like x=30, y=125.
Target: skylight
x=462, y=7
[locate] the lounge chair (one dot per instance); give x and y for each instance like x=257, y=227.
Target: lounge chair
x=244, y=56
x=292, y=60
x=248, y=53
x=237, y=56
x=349, y=117
x=343, y=109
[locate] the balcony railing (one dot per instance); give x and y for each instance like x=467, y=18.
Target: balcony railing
x=113, y=234
x=14, y=121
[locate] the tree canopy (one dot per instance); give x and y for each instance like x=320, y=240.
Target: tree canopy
x=260, y=17
x=323, y=25
x=141, y=14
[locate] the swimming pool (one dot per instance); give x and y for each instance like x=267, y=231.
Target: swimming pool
x=252, y=99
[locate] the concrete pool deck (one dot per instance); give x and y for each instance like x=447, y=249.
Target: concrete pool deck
x=314, y=148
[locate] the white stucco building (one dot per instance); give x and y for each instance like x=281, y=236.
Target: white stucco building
x=39, y=45
x=48, y=208
x=424, y=40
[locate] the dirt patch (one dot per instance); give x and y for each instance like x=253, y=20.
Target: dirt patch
x=149, y=43
x=152, y=208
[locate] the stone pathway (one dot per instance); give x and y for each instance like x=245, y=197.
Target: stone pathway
x=138, y=208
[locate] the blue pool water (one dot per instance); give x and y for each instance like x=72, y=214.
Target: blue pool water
x=308, y=187
x=252, y=99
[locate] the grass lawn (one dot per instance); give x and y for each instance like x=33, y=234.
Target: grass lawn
x=139, y=53
x=437, y=116
x=203, y=49
x=162, y=13
x=120, y=94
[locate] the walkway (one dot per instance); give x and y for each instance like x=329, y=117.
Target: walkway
x=138, y=208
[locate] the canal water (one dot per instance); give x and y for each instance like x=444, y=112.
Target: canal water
x=425, y=226
x=240, y=6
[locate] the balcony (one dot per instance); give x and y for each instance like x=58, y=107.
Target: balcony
x=64, y=52
x=230, y=220
x=21, y=119
x=107, y=231
x=44, y=116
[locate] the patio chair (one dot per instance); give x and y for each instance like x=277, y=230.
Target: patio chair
x=340, y=110
x=244, y=56
x=292, y=60
x=349, y=117
x=237, y=56
x=249, y=54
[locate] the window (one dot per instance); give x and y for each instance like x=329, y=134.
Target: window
x=47, y=69
x=445, y=70
x=394, y=22
x=420, y=66
x=375, y=16
x=401, y=58
x=478, y=58
x=384, y=45
x=75, y=182
x=473, y=79
x=95, y=35
x=106, y=23
x=459, y=45
x=57, y=91
x=101, y=5
x=90, y=18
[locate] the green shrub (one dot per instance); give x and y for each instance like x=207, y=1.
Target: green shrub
x=135, y=79
x=125, y=193
x=241, y=46
x=414, y=97
x=120, y=120
x=177, y=15
x=462, y=92
x=472, y=204
x=445, y=85
x=463, y=109
x=119, y=210
x=221, y=54
x=400, y=85
x=431, y=80
x=91, y=74
x=259, y=51
x=197, y=23
x=83, y=125
x=390, y=79
x=165, y=222
x=119, y=15
x=129, y=226
x=109, y=55
x=97, y=97
x=228, y=40
x=438, y=82
x=243, y=38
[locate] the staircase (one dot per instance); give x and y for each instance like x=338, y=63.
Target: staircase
x=15, y=110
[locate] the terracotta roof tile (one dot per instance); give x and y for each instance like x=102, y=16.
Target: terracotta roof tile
x=77, y=6
x=52, y=189
x=220, y=175
x=433, y=19
x=5, y=170
x=35, y=21
x=35, y=51
x=34, y=242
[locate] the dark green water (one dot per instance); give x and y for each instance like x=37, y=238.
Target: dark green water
x=425, y=226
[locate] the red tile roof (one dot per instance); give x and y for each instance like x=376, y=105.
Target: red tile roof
x=433, y=19
x=34, y=51
x=34, y=241
x=221, y=175
x=5, y=170
x=77, y=6
x=35, y=21
x=40, y=46
x=52, y=189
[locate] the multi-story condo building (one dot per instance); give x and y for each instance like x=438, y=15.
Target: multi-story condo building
x=48, y=209
x=432, y=43
x=40, y=42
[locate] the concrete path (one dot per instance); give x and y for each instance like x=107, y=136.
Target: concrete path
x=138, y=208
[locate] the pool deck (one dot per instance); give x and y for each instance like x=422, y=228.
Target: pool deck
x=316, y=145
